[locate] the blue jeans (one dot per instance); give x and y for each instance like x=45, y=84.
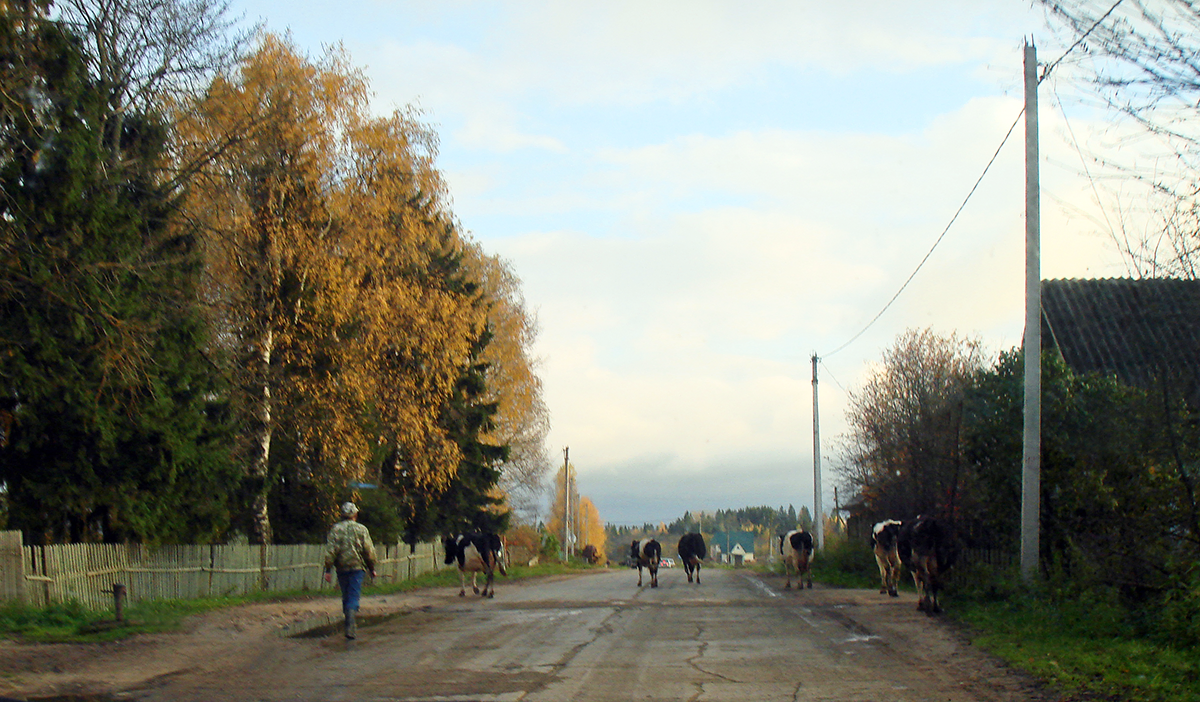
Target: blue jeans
x=350, y=581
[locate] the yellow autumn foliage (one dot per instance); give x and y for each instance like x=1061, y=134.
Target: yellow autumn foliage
x=325, y=230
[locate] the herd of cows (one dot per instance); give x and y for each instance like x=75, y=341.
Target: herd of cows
x=923, y=544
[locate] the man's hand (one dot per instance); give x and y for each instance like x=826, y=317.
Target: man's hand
x=373, y=573
x=328, y=577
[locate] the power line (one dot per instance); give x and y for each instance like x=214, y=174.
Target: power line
x=939, y=239
x=1045, y=73
x=832, y=376
x=1085, y=35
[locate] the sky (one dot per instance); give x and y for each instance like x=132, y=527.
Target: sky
x=699, y=196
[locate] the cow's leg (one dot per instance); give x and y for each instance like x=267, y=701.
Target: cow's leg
x=475, y=581
x=687, y=568
x=639, y=575
x=653, y=576
x=932, y=586
x=922, y=577
x=787, y=568
x=697, y=572
x=884, y=571
x=893, y=574
x=489, y=589
x=462, y=583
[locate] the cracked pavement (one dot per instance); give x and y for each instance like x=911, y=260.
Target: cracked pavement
x=739, y=636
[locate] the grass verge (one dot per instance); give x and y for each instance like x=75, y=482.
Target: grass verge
x=1082, y=648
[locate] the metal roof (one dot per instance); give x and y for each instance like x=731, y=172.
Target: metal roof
x=1136, y=329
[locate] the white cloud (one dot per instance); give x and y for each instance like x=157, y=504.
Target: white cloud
x=684, y=274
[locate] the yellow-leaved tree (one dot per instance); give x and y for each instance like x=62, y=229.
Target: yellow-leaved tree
x=326, y=237
x=591, y=527
x=522, y=420
x=584, y=526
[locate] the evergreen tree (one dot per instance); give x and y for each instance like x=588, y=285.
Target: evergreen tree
x=113, y=430
x=471, y=501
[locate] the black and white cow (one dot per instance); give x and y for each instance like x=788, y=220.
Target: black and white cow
x=927, y=547
x=476, y=553
x=796, y=547
x=692, y=551
x=884, y=541
x=646, y=554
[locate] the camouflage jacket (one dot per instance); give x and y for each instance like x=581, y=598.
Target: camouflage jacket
x=349, y=547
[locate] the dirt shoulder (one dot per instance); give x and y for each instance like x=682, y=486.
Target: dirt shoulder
x=245, y=632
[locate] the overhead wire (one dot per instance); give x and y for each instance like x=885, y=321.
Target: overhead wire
x=939, y=239
x=1045, y=73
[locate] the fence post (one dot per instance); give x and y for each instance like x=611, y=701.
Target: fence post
x=12, y=566
x=263, y=583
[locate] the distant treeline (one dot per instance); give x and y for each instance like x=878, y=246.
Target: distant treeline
x=763, y=521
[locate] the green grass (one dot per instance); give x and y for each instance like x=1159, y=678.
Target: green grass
x=1084, y=647
x=1082, y=644
x=73, y=623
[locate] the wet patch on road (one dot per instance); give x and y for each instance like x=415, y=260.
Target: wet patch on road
x=330, y=624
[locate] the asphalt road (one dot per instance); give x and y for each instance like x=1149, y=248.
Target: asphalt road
x=735, y=637
x=739, y=636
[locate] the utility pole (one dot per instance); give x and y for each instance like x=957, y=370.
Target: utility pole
x=566, y=502
x=818, y=523
x=1031, y=477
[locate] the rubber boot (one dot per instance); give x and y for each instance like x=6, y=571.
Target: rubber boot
x=351, y=625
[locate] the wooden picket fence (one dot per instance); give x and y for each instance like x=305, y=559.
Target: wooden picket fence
x=41, y=575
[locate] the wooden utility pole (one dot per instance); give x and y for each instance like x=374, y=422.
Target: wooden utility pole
x=818, y=523
x=1032, y=446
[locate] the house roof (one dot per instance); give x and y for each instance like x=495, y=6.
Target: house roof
x=726, y=540
x=1134, y=329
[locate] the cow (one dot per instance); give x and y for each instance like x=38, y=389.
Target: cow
x=884, y=542
x=691, y=552
x=646, y=554
x=476, y=553
x=796, y=547
x=927, y=547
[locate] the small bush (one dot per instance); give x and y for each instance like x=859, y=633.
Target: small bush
x=1179, y=618
x=846, y=563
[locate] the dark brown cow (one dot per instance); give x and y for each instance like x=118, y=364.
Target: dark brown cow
x=692, y=551
x=927, y=547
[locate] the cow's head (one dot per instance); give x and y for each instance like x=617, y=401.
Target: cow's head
x=450, y=546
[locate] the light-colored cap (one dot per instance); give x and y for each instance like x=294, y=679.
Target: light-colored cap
x=349, y=509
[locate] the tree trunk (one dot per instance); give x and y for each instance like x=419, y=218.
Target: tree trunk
x=259, y=466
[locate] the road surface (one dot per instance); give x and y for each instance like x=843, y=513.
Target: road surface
x=739, y=636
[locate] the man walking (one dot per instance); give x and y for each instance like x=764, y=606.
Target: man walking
x=349, y=549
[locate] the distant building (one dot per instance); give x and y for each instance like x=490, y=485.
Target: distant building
x=732, y=547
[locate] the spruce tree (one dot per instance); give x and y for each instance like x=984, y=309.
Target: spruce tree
x=114, y=424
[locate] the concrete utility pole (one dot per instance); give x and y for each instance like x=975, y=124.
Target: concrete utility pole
x=818, y=523
x=566, y=502
x=1031, y=476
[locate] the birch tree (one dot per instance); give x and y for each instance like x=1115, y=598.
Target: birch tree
x=275, y=286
